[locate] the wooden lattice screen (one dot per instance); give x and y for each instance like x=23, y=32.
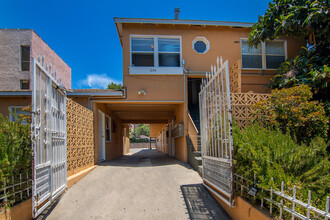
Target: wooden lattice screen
x=80, y=137
x=235, y=77
x=241, y=104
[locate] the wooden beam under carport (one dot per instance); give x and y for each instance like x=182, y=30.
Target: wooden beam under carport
x=146, y=121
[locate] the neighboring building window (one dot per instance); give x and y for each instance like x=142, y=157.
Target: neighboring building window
x=267, y=55
x=155, y=51
x=25, y=58
x=25, y=84
x=108, y=128
x=201, y=45
x=15, y=111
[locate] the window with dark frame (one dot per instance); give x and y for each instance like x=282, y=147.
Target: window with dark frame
x=108, y=128
x=25, y=84
x=25, y=58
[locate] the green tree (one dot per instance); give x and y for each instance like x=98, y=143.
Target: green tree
x=141, y=129
x=307, y=21
x=114, y=86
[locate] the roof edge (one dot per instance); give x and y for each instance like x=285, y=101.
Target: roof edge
x=119, y=93
x=182, y=22
x=16, y=93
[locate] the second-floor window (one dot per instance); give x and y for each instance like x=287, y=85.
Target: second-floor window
x=267, y=55
x=155, y=51
x=25, y=58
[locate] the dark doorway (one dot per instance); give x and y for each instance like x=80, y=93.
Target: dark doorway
x=194, y=87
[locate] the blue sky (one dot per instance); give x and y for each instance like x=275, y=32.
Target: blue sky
x=84, y=35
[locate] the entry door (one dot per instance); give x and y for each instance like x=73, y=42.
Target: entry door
x=48, y=134
x=101, y=128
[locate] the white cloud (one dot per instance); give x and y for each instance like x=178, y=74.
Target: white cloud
x=97, y=81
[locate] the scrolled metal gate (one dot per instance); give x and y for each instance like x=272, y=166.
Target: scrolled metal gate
x=216, y=132
x=48, y=133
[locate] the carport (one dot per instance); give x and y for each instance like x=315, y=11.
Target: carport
x=165, y=121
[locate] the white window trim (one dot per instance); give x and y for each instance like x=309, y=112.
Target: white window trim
x=206, y=41
x=263, y=55
x=156, y=69
x=110, y=128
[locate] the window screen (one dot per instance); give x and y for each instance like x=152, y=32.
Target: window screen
x=251, y=57
x=169, y=52
x=275, y=54
x=142, y=51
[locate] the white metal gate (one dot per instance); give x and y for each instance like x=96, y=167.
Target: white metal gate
x=216, y=132
x=48, y=139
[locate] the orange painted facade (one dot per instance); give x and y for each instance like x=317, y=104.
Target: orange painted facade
x=164, y=89
x=162, y=97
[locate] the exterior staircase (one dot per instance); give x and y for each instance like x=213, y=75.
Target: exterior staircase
x=195, y=157
x=194, y=114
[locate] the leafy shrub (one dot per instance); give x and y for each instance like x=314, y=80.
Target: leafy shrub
x=15, y=149
x=138, y=140
x=270, y=153
x=290, y=110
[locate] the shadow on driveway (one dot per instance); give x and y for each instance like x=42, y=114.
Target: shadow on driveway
x=201, y=204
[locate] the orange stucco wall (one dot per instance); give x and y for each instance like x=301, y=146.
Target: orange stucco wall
x=81, y=100
x=20, y=211
x=243, y=210
x=114, y=148
x=224, y=41
x=13, y=101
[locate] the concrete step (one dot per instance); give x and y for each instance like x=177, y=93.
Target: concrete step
x=199, y=160
x=200, y=170
x=197, y=153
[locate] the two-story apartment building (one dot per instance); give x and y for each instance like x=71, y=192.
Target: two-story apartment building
x=164, y=61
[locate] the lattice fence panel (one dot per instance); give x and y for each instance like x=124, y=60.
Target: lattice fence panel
x=235, y=77
x=80, y=137
x=241, y=104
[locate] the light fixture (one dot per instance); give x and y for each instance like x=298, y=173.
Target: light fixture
x=142, y=92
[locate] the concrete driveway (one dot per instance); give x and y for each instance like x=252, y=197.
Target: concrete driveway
x=145, y=184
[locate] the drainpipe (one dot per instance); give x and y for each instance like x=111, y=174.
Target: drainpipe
x=125, y=92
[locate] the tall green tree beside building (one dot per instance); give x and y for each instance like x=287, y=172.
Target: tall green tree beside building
x=307, y=21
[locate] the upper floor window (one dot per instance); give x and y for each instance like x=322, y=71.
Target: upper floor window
x=25, y=58
x=267, y=55
x=155, y=51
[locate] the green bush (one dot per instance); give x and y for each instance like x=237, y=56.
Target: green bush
x=269, y=153
x=15, y=149
x=136, y=140
x=291, y=110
